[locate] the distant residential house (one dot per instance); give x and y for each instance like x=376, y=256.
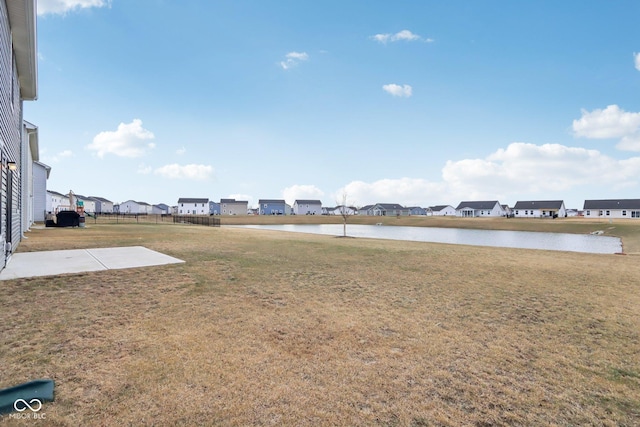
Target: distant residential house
x=272, y=207
x=57, y=201
x=88, y=204
x=612, y=208
x=307, y=207
x=340, y=210
x=417, y=210
x=40, y=175
x=132, y=207
x=573, y=212
x=366, y=210
x=33, y=175
x=103, y=206
x=472, y=209
x=160, y=209
x=234, y=207
x=539, y=209
x=389, y=209
x=193, y=206
x=507, y=210
x=443, y=210
x=214, y=208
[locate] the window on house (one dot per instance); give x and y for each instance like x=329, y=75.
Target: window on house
x=608, y=213
x=624, y=213
x=588, y=213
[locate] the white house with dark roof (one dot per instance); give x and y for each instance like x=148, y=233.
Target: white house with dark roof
x=307, y=207
x=612, y=208
x=193, y=206
x=539, y=209
x=233, y=207
x=473, y=209
x=443, y=210
x=133, y=207
x=57, y=201
x=340, y=210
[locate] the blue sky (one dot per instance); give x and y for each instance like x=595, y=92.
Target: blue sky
x=404, y=101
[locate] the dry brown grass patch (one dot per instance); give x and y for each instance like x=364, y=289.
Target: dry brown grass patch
x=267, y=328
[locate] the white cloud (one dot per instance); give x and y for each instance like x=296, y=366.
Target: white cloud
x=636, y=59
x=404, y=35
x=409, y=191
x=129, y=140
x=518, y=171
x=180, y=151
x=292, y=59
x=144, y=169
x=630, y=143
x=60, y=7
x=291, y=194
x=612, y=122
x=397, y=90
x=191, y=172
x=56, y=158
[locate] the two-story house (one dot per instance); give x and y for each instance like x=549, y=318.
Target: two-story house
x=233, y=207
x=193, y=206
x=307, y=207
x=272, y=207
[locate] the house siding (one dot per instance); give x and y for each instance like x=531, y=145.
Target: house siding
x=233, y=207
x=272, y=207
x=39, y=192
x=539, y=209
x=307, y=207
x=130, y=207
x=621, y=209
x=443, y=211
x=10, y=139
x=473, y=209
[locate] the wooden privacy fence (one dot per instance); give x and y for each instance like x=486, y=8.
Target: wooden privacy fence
x=210, y=221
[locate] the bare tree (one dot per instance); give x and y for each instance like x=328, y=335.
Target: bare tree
x=345, y=212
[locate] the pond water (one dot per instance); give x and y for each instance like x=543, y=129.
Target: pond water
x=508, y=239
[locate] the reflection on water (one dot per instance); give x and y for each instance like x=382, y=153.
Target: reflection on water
x=500, y=238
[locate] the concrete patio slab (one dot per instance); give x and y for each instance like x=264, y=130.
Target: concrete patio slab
x=51, y=263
